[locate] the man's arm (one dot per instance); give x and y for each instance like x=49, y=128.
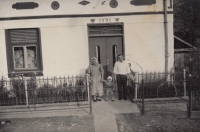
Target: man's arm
x=114, y=86
x=114, y=78
x=128, y=71
x=103, y=81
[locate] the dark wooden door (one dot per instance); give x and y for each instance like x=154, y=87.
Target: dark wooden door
x=106, y=50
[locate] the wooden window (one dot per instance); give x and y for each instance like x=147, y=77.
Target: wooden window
x=24, y=55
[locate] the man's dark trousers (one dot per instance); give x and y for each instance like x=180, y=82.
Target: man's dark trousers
x=122, y=86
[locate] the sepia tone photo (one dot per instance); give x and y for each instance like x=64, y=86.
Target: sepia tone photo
x=99, y=66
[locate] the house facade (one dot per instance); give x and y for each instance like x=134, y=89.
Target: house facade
x=57, y=38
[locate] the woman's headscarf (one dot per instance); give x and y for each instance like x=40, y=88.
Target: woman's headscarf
x=94, y=58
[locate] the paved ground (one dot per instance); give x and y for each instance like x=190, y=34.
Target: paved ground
x=103, y=112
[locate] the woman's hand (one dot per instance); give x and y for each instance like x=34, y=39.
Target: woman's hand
x=90, y=82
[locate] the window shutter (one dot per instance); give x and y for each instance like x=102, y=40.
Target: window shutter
x=23, y=36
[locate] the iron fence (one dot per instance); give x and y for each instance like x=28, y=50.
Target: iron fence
x=12, y=92
x=34, y=90
x=158, y=85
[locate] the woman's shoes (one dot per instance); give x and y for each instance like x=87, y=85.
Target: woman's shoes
x=95, y=100
x=98, y=99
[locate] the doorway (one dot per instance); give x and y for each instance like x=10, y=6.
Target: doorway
x=106, y=43
x=106, y=50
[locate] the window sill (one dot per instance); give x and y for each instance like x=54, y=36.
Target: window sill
x=25, y=73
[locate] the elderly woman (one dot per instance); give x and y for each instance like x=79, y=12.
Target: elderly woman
x=96, y=76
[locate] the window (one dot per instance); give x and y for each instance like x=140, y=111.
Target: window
x=114, y=51
x=97, y=52
x=24, y=54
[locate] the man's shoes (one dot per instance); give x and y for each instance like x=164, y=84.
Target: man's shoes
x=113, y=99
x=125, y=97
x=94, y=100
x=119, y=98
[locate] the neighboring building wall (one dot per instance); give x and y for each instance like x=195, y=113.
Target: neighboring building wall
x=64, y=41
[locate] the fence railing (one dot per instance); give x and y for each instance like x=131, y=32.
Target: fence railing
x=35, y=90
x=158, y=85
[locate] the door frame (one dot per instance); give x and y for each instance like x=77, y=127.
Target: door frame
x=106, y=35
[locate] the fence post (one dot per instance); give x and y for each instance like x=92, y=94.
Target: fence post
x=172, y=79
x=89, y=92
x=136, y=85
x=190, y=97
x=26, y=92
x=184, y=82
x=142, y=96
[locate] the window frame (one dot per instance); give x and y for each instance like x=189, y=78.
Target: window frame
x=25, y=56
x=27, y=72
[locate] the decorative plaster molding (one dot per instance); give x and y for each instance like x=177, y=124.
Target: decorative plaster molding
x=25, y=5
x=84, y=2
x=92, y=20
x=142, y=2
x=55, y=5
x=113, y=3
x=117, y=19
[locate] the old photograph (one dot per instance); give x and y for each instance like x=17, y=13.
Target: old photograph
x=99, y=65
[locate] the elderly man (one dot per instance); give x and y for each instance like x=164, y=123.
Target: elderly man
x=121, y=72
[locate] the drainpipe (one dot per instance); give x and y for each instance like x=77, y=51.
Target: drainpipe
x=166, y=36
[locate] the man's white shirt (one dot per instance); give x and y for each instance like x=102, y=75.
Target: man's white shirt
x=121, y=68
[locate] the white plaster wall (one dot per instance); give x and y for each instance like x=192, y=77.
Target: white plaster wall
x=144, y=46
x=64, y=51
x=73, y=7
x=65, y=44
x=3, y=60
